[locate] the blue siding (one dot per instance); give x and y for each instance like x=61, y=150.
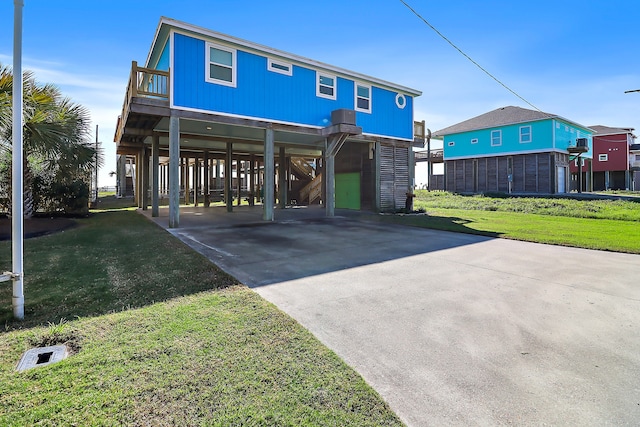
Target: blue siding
x=542, y=139
x=385, y=114
x=566, y=135
x=264, y=94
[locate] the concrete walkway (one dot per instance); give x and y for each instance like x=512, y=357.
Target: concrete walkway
x=451, y=329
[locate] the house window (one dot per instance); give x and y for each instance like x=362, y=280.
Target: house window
x=637, y=157
x=581, y=161
x=221, y=65
x=525, y=134
x=451, y=143
x=496, y=138
x=326, y=87
x=474, y=140
x=603, y=157
x=401, y=101
x=363, y=98
x=279, y=67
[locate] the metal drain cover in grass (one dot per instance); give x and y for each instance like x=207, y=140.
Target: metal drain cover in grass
x=42, y=356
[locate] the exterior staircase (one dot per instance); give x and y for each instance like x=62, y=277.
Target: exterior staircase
x=310, y=181
x=312, y=191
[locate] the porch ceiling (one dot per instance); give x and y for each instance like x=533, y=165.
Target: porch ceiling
x=213, y=136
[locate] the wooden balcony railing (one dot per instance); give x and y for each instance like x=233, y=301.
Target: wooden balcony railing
x=143, y=82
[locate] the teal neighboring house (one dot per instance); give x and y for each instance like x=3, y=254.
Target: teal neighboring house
x=513, y=149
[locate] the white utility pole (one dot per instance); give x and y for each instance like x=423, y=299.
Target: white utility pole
x=17, y=217
x=96, y=172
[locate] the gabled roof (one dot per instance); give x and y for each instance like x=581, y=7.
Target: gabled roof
x=500, y=117
x=168, y=24
x=606, y=130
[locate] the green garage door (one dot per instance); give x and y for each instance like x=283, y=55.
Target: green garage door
x=348, y=190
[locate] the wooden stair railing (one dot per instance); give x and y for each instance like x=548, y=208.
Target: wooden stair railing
x=312, y=191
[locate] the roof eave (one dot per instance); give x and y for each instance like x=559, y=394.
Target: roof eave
x=164, y=21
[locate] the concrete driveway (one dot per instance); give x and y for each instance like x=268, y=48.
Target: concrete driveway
x=451, y=329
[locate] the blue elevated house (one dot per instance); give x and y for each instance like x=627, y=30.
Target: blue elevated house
x=513, y=149
x=212, y=116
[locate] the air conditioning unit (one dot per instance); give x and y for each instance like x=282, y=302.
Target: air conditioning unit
x=582, y=142
x=343, y=116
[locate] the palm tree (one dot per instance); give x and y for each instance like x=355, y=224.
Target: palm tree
x=56, y=133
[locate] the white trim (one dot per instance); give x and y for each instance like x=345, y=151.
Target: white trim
x=319, y=75
x=355, y=100
x=451, y=143
x=530, y=134
x=400, y=96
x=397, y=138
x=270, y=66
x=491, y=138
x=266, y=51
x=207, y=64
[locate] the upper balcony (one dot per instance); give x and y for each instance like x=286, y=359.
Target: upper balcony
x=147, y=85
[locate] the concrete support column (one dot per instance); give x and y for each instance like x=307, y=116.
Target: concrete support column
x=174, y=172
x=378, y=161
x=228, y=178
x=627, y=180
x=187, y=184
x=239, y=179
x=269, y=175
x=282, y=179
x=181, y=179
x=252, y=181
x=329, y=171
x=144, y=171
x=321, y=169
x=196, y=180
x=160, y=179
x=138, y=178
x=155, y=172
x=122, y=175
x=412, y=177
x=217, y=182
x=207, y=180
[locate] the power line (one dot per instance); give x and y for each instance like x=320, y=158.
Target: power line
x=467, y=56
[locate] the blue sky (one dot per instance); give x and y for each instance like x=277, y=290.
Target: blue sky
x=574, y=58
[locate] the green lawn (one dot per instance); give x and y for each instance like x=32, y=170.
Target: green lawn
x=163, y=338
x=612, y=225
